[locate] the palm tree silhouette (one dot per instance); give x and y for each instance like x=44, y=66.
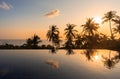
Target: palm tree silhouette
x=108, y=17
x=90, y=33
x=78, y=41
x=90, y=27
x=53, y=35
x=36, y=40
x=117, y=24
x=70, y=33
x=33, y=41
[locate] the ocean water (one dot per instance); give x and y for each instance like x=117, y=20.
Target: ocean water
x=20, y=42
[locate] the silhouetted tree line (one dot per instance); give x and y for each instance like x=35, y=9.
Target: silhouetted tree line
x=88, y=38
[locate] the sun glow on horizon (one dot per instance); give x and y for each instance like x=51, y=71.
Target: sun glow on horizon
x=98, y=20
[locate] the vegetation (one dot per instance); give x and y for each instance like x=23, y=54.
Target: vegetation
x=89, y=38
x=70, y=34
x=108, y=17
x=53, y=35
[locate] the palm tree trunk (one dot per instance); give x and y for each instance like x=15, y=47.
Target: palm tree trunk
x=110, y=29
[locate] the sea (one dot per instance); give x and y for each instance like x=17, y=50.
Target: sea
x=20, y=42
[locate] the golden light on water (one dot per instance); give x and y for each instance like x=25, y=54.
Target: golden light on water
x=97, y=57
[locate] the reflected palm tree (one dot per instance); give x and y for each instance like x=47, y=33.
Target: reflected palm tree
x=53, y=35
x=110, y=62
x=70, y=52
x=70, y=35
x=89, y=53
x=117, y=57
x=108, y=17
x=53, y=50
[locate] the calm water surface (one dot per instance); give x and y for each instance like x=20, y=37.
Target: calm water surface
x=72, y=64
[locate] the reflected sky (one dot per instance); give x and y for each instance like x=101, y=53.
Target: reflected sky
x=40, y=64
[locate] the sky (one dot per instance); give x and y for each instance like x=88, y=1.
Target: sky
x=20, y=19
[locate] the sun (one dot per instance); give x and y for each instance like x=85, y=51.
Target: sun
x=98, y=20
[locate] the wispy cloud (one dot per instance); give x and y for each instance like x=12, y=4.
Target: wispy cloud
x=5, y=6
x=53, y=13
x=53, y=63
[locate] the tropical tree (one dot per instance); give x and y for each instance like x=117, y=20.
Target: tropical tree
x=117, y=24
x=70, y=33
x=78, y=41
x=36, y=39
x=53, y=35
x=108, y=17
x=90, y=33
x=33, y=42
x=90, y=27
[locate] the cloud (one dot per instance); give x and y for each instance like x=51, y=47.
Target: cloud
x=53, y=63
x=53, y=13
x=5, y=6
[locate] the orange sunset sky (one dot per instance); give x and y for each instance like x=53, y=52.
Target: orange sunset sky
x=20, y=19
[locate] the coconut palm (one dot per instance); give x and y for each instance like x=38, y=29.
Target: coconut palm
x=33, y=42
x=53, y=35
x=36, y=39
x=90, y=27
x=117, y=24
x=70, y=33
x=78, y=41
x=108, y=17
x=90, y=32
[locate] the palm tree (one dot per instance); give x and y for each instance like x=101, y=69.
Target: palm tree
x=90, y=27
x=78, y=41
x=53, y=35
x=108, y=17
x=89, y=32
x=117, y=23
x=70, y=33
x=33, y=42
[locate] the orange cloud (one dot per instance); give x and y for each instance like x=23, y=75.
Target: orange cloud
x=53, y=13
x=5, y=6
x=53, y=63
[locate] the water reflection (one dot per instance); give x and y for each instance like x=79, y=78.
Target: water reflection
x=53, y=63
x=109, y=61
x=69, y=52
x=32, y=64
x=53, y=50
x=92, y=54
x=4, y=72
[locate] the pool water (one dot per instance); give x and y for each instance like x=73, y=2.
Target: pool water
x=62, y=64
